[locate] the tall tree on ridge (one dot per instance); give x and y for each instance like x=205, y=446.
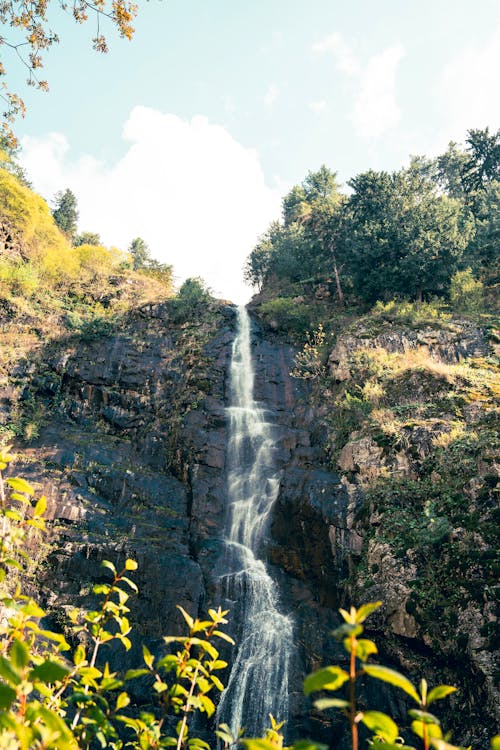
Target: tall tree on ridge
x=65, y=212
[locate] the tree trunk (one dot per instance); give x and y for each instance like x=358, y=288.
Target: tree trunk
x=337, y=279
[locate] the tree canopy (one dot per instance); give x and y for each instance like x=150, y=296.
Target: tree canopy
x=65, y=212
x=404, y=233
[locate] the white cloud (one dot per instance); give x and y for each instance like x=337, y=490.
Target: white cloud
x=346, y=61
x=318, y=107
x=195, y=195
x=467, y=88
x=376, y=109
x=372, y=84
x=271, y=95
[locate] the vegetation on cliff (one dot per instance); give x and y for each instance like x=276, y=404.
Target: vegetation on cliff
x=391, y=291
x=50, y=699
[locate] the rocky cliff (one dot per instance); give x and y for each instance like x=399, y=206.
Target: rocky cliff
x=130, y=451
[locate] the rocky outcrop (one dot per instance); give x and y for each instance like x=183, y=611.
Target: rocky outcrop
x=131, y=455
x=450, y=344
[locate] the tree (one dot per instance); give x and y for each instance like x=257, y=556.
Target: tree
x=402, y=236
x=87, y=238
x=141, y=254
x=483, y=164
x=27, y=33
x=65, y=212
x=450, y=169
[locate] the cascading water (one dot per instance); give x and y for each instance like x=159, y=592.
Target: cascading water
x=258, y=683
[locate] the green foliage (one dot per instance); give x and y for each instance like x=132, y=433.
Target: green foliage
x=466, y=293
x=34, y=230
x=403, y=237
x=141, y=255
x=86, y=238
x=65, y=212
x=59, y=697
x=19, y=278
x=288, y=314
x=383, y=728
x=68, y=702
x=402, y=234
x=191, y=301
x=309, y=363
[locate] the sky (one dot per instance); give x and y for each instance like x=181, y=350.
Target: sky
x=189, y=135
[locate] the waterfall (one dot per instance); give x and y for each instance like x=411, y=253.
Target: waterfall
x=258, y=683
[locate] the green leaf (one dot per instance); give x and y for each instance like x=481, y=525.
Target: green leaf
x=101, y=588
x=21, y=485
x=126, y=642
x=31, y=609
x=349, y=617
x=424, y=716
x=196, y=742
x=392, y=677
x=40, y=507
x=364, y=648
x=122, y=701
x=381, y=724
x=329, y=678
x=366, y=610
x=441, y=744
x=224, y=636
x=49, y=671
x=218, y=684
x=132, y=674
x=345, y=630
x=79, y=655
x=206, y=646
x=258, y=744
x=7, y=696
x=188, y=618
x=308, y=745
x=433, y=730
x=323, y=703
x=8, y=673
x=224, y=734
x=109, y=565
x=130, y=583
x=439, y=692
x=218, y=664
x=147, y=656
x=19, y=654
x=130, y=564
x=207, y=705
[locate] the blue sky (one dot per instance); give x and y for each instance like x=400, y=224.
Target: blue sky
x=190, y=134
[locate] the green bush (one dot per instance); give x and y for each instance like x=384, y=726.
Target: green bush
x=19, y=278
x=288, y=314
x=191, y=301
x=466, y=292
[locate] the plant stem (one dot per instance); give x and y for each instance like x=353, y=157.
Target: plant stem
x=352, y=694
x=186, y=710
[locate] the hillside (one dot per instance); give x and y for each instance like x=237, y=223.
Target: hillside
x=114, y=392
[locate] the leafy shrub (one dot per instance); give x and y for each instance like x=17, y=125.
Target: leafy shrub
x=286, y=313
x=192, y=299
x=19, y=278
x=97, y=260
x=466, y=293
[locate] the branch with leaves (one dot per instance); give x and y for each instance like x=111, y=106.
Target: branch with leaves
x=25, y=31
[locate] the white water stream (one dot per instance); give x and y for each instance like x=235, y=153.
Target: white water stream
x=258, y=683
